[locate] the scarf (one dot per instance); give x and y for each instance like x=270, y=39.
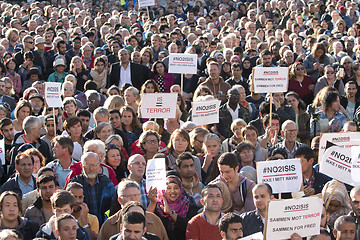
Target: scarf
x=180, y=205
x=99, y=78
x=160, y=82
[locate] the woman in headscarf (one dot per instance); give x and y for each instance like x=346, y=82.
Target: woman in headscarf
x=174, y=207
x=339, y=204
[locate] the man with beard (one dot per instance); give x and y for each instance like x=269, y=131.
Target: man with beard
x=7, y=132
x=205, y=224
x=37, y=104
x=40, y=212
x=81, y=210
x=98, y=189
x=231, y=226
x=133, y=227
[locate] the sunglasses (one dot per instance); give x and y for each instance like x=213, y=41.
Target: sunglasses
x=300, y=68
x=330, y=72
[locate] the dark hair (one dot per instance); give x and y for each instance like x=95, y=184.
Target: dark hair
x=227, y=219
x=61, y=197
x=29, y=55
x=264, y=108
x=329, y=98
x=65, y=142
x=265, y=52
x=341, y=220
x=5, y=122
x=45, y=179
x=22, y=156
x=266, y=119
x=113, y=87
x=133, y=218
x=153, y=69
x=130, y=204
x=183, y=156
x=83, y=113
x=306, y=152
x=42, y=170
x=207, y=187
x=318, y=46
x=266, y=185
x=62, y=217
x=280, y=151
x=182, y=133
x=115, y=111
x=74, y=185
x=244, y=146
x=236, y=65
x=296, y=96
x=60, y=42
x=70, y=122
x=228, y=159
x=323, y=231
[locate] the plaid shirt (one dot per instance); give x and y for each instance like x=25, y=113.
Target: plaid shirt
x=144, y=199
x=311, y=181
x=94, y=191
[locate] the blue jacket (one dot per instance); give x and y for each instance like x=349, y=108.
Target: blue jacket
x=252, y=223
x=46, y=232
x=104, y=198
x=13, y=185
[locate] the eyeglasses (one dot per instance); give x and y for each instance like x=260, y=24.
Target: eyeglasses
x=68, y=88
x=138, y=163
x=152, y=141
x=300, y=68
x=330, y=72
x=49, y=108
x=130, y=196
x=30, y=42
x=91, y=101
x=111, y=146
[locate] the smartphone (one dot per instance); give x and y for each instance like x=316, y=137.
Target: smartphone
x=341, y=72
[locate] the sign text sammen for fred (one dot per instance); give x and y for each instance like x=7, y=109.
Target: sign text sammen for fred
x=270, y=79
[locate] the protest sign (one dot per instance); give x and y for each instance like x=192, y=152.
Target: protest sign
x=2, y=151
x=255, y=236
x=53, y=94
x=270, y=79
x=336, y=163
x=346, y=140
x=285, y=217
x=156, y=174
x=146, y=3
x=158, y=105
x=355, y=166
x=282, y=175
x=183, y=63
x=206, y=112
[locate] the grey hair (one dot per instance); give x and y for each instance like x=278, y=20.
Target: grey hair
x=88, y=93
x=68, y=100
x=4, y=234
x=133, y=157
x=125, y=184
x=88, y=154
x=112, y=137
x=100, y=127
x=29, y=123
x=100, y=145
x=101, y=111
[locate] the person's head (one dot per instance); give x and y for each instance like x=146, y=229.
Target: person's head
x=245, y=152
x=24, y=165
x=197, y=136
x=133, y=226
x=150, y=86
x=331, y=101
x=212, y=144
x=113, y=156
x=230, y=226
x=128, y=190
x=46, y=187
x=324, y=235
x=7, y=129
x=355, y=200
x=349, y=126
x=63, y=146
x=84, y=116
x=350, y=89
x=114, y=102
x=275, y=122
x=344, y=228
x=307, y=158
x=214, y=70
x=131, y=95
x=262, y=194
x=10, y=206
x=179, y=142
x=173, y=189
x=233, y=96
x=77, y=190
x=103, y=130
x=228, y=166
x=266, y=58
x=93, y=99
x=62, y=202
x=149, y=141
x=90, y=163
x=289, y=131
x=211, y=198
x=250, y=133
x=137, y=165
x=96, y=146
x=185, y=165
x=69, y=104
x=66, y=227
x=22, y=110
x=9, y=234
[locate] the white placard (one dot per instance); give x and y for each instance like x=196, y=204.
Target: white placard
x=183, y=63
x=156, y=174
x=158, y=105
x=255, y=236
x=53, y=94
x=282, y=175
x=146, y=3
x=336, y=163
x=2, y=151
x=270, y=79
x=355, y=166
x=346, y=140
x=301, y=216
x=206, y=112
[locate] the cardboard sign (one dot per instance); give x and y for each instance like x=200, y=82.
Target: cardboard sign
x=53, y=94
x=270, y=79
x=183, y=63
x=336, y=163
x=301, y=216
x=158, y=105
x=355, y=166
x=2, y=151
x=255, y=236
x=346, y=140
x=146, y=3
x=156, y=174
x=206, y=112
x=282, y=175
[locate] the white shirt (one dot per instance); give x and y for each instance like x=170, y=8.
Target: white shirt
x=234, y=114
x=125, y=75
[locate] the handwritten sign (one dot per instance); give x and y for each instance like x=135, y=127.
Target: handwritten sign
x=270, y=79
x=159, y=105
x=146, y=3
x=156, y=174
x=255, y=236
x=282, y=175
x=355, y=166
x=183, y=63
x=301, y=216
x=53, y=94
x=206, y=112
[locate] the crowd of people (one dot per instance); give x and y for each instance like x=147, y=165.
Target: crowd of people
x=77, y=171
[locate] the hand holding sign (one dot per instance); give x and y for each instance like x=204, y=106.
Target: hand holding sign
x=53, y=94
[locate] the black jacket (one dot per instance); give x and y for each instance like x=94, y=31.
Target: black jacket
x=225, y=119
x=252, y=223
x=139, y=74
x=344, y=102
x=13, y=185
x=26, y=228
x=320, y=181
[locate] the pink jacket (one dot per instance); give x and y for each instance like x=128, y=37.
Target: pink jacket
x=16, y=79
